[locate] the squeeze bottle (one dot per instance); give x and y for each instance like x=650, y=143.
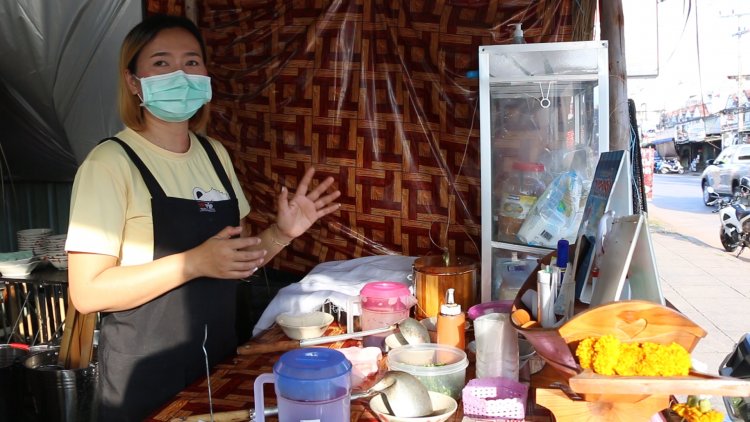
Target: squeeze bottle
x=451, y=322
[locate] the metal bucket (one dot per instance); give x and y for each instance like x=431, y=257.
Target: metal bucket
x=65, y=395
x=11, y=383
x=433, y=276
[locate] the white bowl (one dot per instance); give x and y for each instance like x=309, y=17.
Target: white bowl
x=18, y=269
x=443, y=408
x=299, y=326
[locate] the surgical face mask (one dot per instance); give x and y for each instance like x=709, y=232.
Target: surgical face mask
x=176, y=96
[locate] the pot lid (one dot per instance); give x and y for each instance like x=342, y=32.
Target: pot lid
x=384, y=289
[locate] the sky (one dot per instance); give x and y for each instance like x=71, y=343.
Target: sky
x=688, y=65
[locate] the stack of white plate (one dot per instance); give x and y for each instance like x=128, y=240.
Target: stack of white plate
x=55, y=251
x=33, y=240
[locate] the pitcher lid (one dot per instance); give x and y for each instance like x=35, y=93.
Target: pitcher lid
x=385, y=289
x=314, y=363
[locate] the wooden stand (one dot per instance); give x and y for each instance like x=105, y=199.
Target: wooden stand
x=606, y=408
x=592, y=407
x=620, y=398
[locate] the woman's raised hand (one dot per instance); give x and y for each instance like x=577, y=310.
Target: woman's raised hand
x=224, y=256
x=297, y=214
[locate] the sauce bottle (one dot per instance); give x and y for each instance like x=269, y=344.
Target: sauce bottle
x=451, y=322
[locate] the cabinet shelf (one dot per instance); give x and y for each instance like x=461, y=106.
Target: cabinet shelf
x=529, y=249
x=543, y=123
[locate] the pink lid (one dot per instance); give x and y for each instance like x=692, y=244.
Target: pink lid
x=384, y=289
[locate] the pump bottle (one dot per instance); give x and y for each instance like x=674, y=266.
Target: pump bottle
x=451, y=322
x=518, y=34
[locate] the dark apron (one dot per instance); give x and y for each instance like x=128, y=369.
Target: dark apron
x=149, y=354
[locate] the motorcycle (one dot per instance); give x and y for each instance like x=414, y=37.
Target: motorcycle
x=737, y=365
x=670, y=165
x=734, y=217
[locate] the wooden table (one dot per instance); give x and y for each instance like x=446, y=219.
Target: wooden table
x=232, y=386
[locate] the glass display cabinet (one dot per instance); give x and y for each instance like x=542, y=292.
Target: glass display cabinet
x=543, y=123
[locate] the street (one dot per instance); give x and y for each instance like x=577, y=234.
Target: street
x=678, y=206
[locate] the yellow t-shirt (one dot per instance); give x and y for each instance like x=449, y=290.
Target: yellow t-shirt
x=110, y=212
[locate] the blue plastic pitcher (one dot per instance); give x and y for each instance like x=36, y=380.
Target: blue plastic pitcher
x=311, y=385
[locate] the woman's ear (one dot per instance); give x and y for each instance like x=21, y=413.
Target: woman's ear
x=133, y=84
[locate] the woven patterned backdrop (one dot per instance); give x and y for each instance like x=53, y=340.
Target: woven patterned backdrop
x=373, y=93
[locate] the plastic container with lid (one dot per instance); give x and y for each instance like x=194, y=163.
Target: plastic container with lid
x=509, y=273
x=386, y=296
x=440, y=368
x=519, y=193
x=380, y=303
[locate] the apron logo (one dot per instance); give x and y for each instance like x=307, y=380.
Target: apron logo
x=205, y=198
x=204, y=206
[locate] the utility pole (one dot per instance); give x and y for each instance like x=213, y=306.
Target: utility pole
x=740, y=32
x=741, y=98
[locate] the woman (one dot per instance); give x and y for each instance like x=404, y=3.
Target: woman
x=155, y=241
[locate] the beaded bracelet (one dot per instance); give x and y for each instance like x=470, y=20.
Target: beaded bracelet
x=273, y=238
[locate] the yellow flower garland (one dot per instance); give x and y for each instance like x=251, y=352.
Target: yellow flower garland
x=607, y=355
x=694, y=414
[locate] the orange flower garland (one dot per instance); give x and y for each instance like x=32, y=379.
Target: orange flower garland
x=607, y=355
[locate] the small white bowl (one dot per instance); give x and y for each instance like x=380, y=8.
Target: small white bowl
x=443, y=408
x=18, y=269
x=299, y=326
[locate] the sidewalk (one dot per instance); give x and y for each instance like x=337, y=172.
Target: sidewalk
x=708, y=285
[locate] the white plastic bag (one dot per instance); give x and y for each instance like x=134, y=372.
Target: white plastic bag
x=555, y=214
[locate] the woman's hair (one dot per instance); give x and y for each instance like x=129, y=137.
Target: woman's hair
x=130, y=110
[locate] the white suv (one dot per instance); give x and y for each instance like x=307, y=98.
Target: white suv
x=724, y=173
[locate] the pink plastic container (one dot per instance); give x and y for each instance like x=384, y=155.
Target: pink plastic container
x=382, y=303
x=495, y=397
x=386, y=296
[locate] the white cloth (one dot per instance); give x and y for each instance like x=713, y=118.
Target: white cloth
x=336, y=282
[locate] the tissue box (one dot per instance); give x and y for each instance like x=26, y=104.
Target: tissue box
x=495, y=397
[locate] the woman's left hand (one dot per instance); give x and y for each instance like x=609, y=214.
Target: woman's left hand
x=296, y=215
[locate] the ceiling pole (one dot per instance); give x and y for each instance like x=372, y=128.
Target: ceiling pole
x=613, y=30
